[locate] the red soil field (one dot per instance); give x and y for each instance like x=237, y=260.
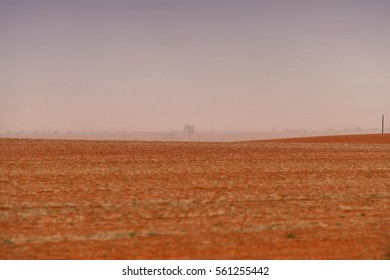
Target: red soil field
x=322, y=198
x=349, y=139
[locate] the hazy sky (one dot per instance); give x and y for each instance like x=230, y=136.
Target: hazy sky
x=147, y=65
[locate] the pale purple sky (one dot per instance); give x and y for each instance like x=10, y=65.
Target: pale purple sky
x=225, y=65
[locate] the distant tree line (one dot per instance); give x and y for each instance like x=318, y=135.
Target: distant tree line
x=190, y=129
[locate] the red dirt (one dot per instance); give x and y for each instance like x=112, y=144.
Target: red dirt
x=68, y=199
x=348, y=139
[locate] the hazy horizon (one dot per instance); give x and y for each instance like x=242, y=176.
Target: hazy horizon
x=219, y=65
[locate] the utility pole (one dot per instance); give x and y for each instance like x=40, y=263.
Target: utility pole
x=383, y=123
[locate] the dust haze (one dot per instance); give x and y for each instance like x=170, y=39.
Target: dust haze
x=244, y=66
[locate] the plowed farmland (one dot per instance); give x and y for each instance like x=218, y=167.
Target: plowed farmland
x=306, y=199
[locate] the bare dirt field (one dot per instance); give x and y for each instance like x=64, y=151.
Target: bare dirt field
x=319, y=198
x=338, y=139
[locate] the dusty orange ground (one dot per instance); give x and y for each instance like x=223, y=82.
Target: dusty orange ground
x=349, y=139
x=170, y=200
